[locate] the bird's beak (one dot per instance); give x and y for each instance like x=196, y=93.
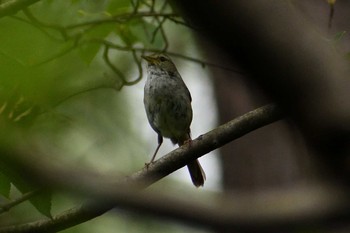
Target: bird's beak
x=150, y=59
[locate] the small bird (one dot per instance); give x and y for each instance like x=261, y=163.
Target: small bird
x=167, y=102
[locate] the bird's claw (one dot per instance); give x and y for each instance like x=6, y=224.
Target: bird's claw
x=188, y=142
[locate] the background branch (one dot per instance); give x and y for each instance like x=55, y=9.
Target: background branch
x=123, y=193
x=301, y=69
x=261, y=212
x=264, y=212
x=6, y=207
x=12, y=6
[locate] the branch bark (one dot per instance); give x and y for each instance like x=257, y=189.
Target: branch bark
x=313, y=204
x=58, y=176
x=270, y=211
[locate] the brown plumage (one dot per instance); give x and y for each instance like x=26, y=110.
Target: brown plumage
x=168, y=107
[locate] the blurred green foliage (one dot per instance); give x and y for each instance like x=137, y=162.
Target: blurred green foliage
x=62, y=65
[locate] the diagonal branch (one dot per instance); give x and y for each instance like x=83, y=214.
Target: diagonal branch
x=11, y=204
x=126, y=192
x=302, y=70
x=12, y=6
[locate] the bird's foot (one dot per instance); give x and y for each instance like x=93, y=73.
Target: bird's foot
x=188, y=142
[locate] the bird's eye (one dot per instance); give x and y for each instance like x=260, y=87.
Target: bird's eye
x=162, y=59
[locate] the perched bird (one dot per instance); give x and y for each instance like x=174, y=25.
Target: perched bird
x=168, y=107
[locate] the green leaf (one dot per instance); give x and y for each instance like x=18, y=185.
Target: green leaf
x=126, y=35
x=68, y=12
x=5, y=185
x=88, y=51
x=42, y=202
x=145, y=30
x=118, y=6
x=140, y=31
x=24, y=43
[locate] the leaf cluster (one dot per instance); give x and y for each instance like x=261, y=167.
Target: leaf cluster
x=53, y=52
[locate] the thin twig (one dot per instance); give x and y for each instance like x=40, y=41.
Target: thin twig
x=37, y=22
x=6, y=207
x=60, y=54
x=205, y=63
x=39, y=27
x=163, y=7
x=153, y=4
x=113, y=67
x=162, y=32
x=160, y=24
x=80, y=93
x=139, y=68
x=182, y=23
x=122, y=18
x=185, y=57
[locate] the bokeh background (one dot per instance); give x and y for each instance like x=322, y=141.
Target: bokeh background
x=72, y=82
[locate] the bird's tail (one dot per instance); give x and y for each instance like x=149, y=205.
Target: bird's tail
x=196, y=171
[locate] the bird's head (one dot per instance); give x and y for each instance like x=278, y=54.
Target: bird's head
x=160, y=61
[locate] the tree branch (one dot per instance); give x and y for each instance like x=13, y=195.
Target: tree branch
x=23, y=198
x=12, y=6
x=269, y=211
x=292, y=61
x=59, y=176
